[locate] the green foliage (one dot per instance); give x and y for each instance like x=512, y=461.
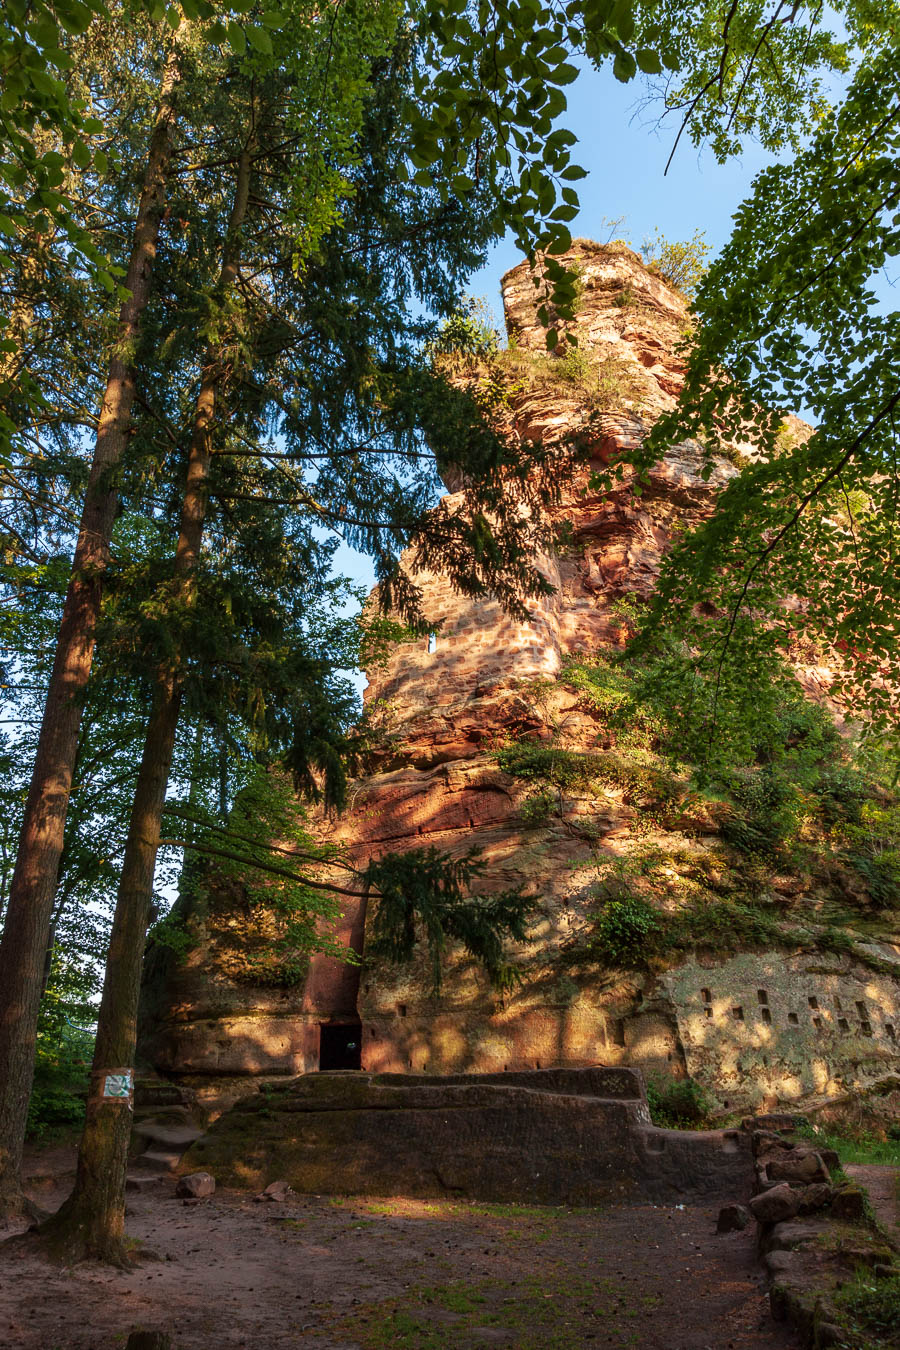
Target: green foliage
x=682, y=264
x=678, y=1104
x=857, y=1146
x=872, y=843
x=470, y=331
x=548, y=762
x=767, y=811
x=64, y=1049
x=264, y=855
x=792, y=309
x=722, y=924
x=537, y=808
x=427, y=892
x=870, y=1310
x=625, y=931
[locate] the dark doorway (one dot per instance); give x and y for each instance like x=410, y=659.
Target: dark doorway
x=340, y=1046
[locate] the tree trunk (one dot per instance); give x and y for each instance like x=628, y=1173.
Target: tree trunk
x=33, y=884
x=91, y=1223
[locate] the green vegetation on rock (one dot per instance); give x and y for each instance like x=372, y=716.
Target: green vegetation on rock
x=754, y=822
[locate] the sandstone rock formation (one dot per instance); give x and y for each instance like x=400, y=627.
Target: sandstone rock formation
x=754, y=1023
x=569, y=1137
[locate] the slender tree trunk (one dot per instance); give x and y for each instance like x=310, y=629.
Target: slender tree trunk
x=33, y=884
x=91, y=1223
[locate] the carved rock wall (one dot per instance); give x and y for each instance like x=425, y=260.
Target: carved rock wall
x=444, y=706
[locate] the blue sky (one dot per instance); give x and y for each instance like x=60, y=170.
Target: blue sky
x=625, y=153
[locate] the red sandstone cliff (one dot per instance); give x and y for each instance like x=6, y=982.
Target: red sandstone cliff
x=752, y=1025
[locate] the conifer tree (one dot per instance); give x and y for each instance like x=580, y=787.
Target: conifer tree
x=33, y=884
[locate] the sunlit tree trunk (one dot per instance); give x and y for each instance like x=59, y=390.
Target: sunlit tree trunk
x=30, y=904
x=91, y=1223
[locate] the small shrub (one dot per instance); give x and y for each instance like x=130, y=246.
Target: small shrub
x=724, y=924
x=470, y=331
x=625, y=930
x=537, y=808
x=575, y=366
x=767, y=809
x=674, y=1105
x=681, y=263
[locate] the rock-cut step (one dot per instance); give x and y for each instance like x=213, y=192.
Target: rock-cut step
x=164, y=1143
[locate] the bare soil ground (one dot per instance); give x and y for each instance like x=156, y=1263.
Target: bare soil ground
x=317, y=1273
x=883, y=1185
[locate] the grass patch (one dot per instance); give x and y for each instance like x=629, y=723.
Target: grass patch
x=537, y=1314
x=870, y=1311
x=856, y=1149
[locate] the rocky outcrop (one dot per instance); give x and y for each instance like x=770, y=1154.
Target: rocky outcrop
x=576, y=1137
x=753, y=1001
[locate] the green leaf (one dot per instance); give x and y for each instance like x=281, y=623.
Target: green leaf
x=81, y=154
x=624, y=67
x=564, y=74
x=237, y=38
x=562, y=240
x=259, y=39
x=75, y=18
x=101, y=161
x=648, y=61
x=173, y=18
x=552, y=338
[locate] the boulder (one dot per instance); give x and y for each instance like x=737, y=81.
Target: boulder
x=849, y=1202
x=276, y=1191
x=772, y=1120
x=195, y=1186
x=538, y=1137
x=767, y=1141
x=802, y=1169
x=781, y=1202
x=732, y=1218
x=815, y=1197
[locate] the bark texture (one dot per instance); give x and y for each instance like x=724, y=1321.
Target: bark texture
x=91, y=1223
x=34, y=880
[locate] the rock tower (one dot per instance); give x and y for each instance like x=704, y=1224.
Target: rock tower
x=771, y=1015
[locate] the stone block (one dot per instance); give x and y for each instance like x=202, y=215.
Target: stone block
x=815, y=1197
x=781, y=1202
x=800, y=1169
x=849, y=1202
x=501, y=1137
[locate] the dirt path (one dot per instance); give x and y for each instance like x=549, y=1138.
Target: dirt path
x=883, y=1184
x=317, y=1274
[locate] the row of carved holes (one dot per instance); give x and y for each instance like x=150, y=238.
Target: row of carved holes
x=762, y=996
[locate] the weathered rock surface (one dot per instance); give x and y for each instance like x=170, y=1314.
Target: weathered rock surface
x=195, y=1186
x=756, y=1028
x=775, y=1205
x=732, y=1218
x=552, y=1137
